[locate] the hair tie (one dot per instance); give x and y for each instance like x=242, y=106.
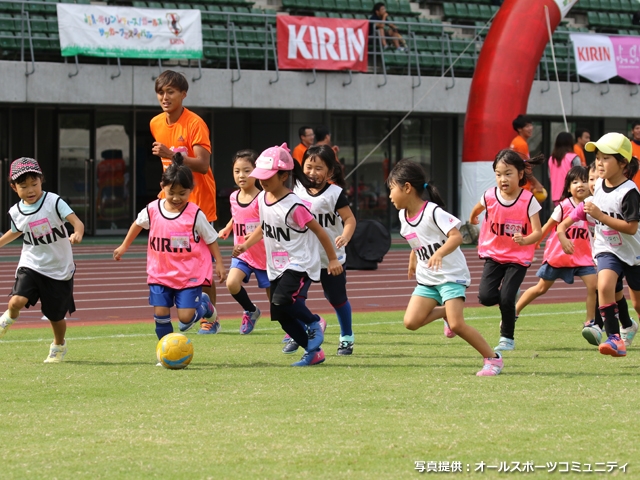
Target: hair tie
x=426, y=184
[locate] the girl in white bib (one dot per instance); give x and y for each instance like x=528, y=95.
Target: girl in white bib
x=436, y=260
x=293, y=260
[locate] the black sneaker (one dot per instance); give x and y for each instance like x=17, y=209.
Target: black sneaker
x=345, y=348
x=290, y=347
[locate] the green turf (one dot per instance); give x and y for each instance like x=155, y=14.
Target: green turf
x=240, y=411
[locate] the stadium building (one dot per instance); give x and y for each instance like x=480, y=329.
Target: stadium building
x=86, y=119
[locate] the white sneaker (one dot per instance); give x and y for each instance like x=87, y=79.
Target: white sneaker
x=5, y=322
x=56, y=353
x=627, y=334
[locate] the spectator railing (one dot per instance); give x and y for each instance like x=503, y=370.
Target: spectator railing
x=236, y=40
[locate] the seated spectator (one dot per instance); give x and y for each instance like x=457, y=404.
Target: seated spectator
x=386, y=31
x=306, y=140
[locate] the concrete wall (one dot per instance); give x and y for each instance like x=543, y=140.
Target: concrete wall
x=51, y=84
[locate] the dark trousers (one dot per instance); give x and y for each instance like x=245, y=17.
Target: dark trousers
x=499, y=286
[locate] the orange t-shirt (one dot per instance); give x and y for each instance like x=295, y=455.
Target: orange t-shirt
x=298, y=152
x=521, y=146
x=635, y=150
x=190, y=130
x=577, y=149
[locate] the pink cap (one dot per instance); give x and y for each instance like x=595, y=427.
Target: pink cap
x=271, y=161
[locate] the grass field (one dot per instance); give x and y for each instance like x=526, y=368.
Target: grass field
x=240, y=411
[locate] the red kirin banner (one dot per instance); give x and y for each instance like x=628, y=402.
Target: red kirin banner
x=305, y=43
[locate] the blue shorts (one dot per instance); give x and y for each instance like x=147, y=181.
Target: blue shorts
x=261, y=275
x=547, y=272
x=608, y=261
x=441, y=293
x=161, y=296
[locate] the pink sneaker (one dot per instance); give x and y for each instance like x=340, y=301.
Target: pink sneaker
x=323, y=323
x=492, y=367
x=447, y=331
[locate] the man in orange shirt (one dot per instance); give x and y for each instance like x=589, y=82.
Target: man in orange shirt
x=178, y=129
x=524, y=128
x=306, y=140
x=635, y=147
x=582, y=137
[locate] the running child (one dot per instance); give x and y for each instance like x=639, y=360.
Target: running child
x=45, y=270
x=245, y=218
x=507, y=240
x=615, y=209
x=330, y=206
x=436, y=260
x=293, y=260
x=555, y=263
x=181, y=243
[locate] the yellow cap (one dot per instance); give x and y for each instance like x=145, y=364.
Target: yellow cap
x=612, y=143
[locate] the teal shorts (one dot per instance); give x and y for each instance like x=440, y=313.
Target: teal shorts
x=441, y=293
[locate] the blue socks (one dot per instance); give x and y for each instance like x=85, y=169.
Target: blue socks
x=344, y=319
x=163, y=326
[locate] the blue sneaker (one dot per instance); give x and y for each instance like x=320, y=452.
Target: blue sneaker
x=505, y=344
x=310, y=358
x=316, y=336
x=249, y=320
x=209, y=325
x=205, y=308
x=210, y=310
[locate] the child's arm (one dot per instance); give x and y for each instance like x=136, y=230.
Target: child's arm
x=133, y=232
x=224, y=233
x=622, y=226
x=413, y=264
x=220, y=270
x=454, y=240
x=78, y=228
x=334, y=268
x=349, y=222
x=567, y=245
x=9, y=237
x=535, y=234
x=249, y=242
x=546, y=229
x=475, y=211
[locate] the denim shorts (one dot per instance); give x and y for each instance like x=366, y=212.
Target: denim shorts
x=441, y=293
x=547, y=272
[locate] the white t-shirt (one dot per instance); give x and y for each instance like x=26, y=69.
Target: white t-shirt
x=426, y=233
x=203, y=228
x=557, y=212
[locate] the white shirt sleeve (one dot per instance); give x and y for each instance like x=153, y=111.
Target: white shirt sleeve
x=64, y=209
x=482, y=201
x=204, y=229
x=143, y=219
x=445, y=221
x=557, y=214
x=534, y=207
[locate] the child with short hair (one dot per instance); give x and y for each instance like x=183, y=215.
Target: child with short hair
x=507, y=241
x=556, y=264
x=329, y=204
x=181, y=243
x=615, y=209
x=45, y=270
x=245, y=218
x=436, y=260
x=293, y=260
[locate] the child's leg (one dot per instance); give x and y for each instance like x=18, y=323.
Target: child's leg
x=489, y=289
x=59, y=331
x=514, y=275
x=455, y=317
x=237, y=291
x=421, y=311
x=335, y=291
x=606, y=297
x=292, y=327
x=162, y=318
x=591, y=282
x=532, y=293
x=16, y=303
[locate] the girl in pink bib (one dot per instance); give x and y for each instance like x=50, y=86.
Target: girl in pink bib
x=245, y=218
x=507, y=240
x=181, y=242
x=558, y=265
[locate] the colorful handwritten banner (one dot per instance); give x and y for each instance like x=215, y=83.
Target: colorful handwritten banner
x=126, y=32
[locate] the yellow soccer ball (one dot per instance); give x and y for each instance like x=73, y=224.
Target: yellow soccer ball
x=541, y=196
x=174, y=351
